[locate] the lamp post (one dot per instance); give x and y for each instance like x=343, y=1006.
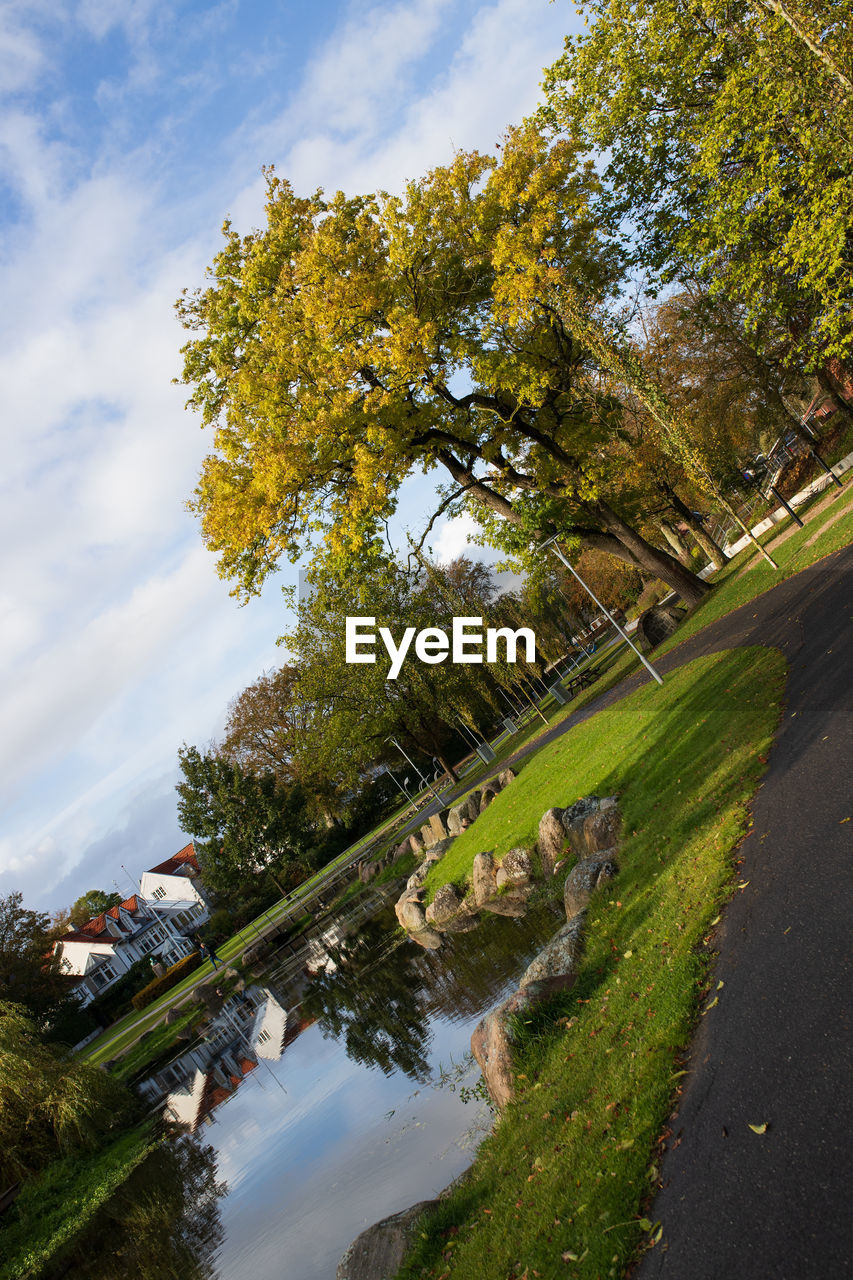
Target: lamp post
x=552, y=543
x=426, y=781
x=401, y=788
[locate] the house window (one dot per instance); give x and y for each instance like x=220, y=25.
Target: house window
x=103, y=975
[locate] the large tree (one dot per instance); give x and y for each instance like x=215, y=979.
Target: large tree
x=246, y=825
x=725, y=135
x=354, y=341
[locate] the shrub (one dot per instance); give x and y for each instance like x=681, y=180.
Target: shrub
x=170, y=978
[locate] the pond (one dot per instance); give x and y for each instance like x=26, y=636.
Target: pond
x=353, y=1122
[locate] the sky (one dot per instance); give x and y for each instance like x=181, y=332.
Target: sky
x=129, y=131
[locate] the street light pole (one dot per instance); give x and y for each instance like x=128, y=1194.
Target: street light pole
x=552, y=543
x=415, y=767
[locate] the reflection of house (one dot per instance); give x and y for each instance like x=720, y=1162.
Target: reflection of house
x=318, y=956
x=249, y=1026
x=152, y=923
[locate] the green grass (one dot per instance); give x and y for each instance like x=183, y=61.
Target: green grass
x=56, y=1205
x=559, y=1188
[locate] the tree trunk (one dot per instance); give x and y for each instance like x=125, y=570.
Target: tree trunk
x=689, y=586
x=675, y=540
x=712, y=549
x=448, y=768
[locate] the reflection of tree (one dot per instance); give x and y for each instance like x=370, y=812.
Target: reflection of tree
x=161, y=1224
x=465, y=977
x=376, y=1001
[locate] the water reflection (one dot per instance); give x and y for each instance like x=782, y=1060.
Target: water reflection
x=163, y=1222
x=374, y=997
x=342, y=1123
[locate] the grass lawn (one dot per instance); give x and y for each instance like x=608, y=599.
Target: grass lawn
x=56, y=1205
x=559, y=1188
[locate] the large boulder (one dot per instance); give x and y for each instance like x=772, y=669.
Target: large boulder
x=438, y=825
x=427, y=836
x=507, y=904
x=483, y=878
x=457, y=818
x=416, y=842
x=601, y=830
x=445, y=906
x=410, y=912
x=492, y=1044
x=488, y=794
x=378, y=1253
x=505, y=778
x=472, y=806
x=555, y=967
x=657, y=623
x=552, y=838
x=515, y=871
x=402, y=850
x=582, y=882
x=574, y=819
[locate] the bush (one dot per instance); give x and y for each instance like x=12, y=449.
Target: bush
x=169, y=979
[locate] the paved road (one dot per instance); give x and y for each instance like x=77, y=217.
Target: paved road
x=776, y=1049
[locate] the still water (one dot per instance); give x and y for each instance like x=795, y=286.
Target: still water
x=351, y=1123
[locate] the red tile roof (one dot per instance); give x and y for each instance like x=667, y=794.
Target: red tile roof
x=184, y=857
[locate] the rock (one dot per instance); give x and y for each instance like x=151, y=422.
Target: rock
x=582, y=882
x=574, y=819
x=438, y=825
x=472, y=806
x=446, y=904
x=505, y=778
x=427, y=836
x=516, y=869
x=401, y=851
x=173, y=1016
x=488, y=794
x=410, y=913
x=417, y=877
x=427, y=938
x=601, y=830
x=378, y=1253
x=552, y=837
x=483, y=878
x=555, y=967
x=491, y=1045
x=657, y=623
x=457, y=819
x=415, y=842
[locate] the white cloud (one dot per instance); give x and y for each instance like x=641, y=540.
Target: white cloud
x=118, y=639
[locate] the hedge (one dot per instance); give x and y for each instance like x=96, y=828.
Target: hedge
x=170, y=978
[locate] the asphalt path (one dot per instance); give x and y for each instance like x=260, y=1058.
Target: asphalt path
x=775, y=1050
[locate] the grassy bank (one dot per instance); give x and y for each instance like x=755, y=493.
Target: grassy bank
x=559, y=1188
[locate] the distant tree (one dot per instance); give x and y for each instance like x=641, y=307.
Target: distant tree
x=91, y=904
x=29, y=972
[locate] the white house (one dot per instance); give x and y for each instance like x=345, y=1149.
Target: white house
x=104, y=948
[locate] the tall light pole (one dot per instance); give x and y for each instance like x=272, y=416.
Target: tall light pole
x=552, y=543
x=426, y=781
